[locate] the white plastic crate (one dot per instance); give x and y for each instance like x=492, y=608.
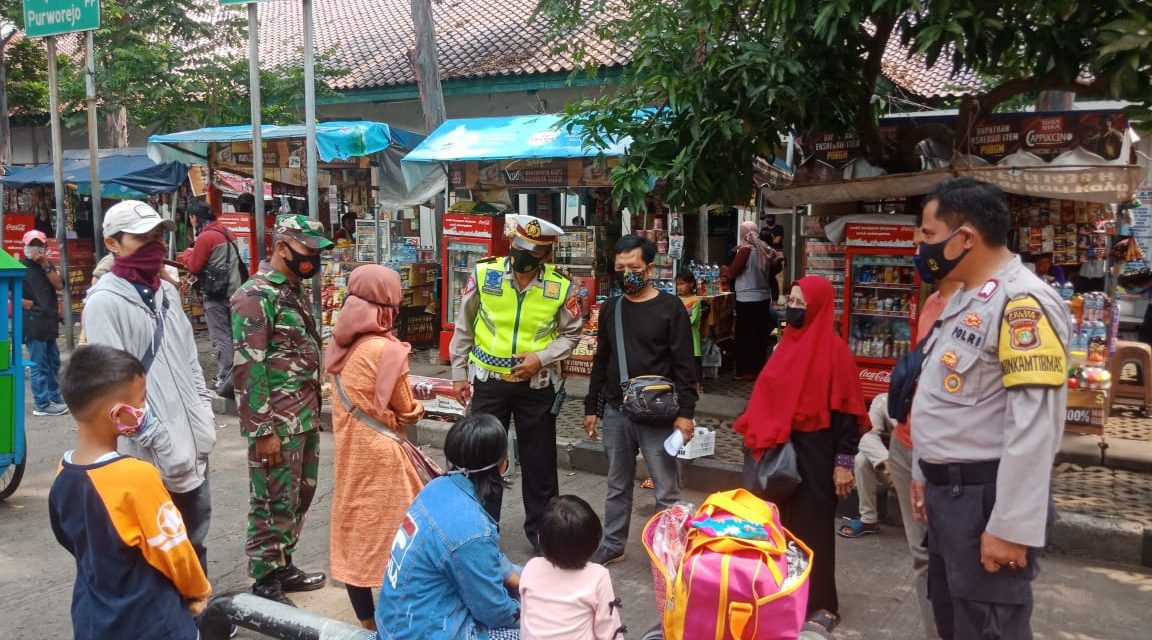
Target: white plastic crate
x=702, y=444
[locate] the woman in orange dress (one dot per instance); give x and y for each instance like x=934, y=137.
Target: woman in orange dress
x=375, y=483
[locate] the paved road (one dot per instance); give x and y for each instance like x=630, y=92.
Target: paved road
x=1076, y=599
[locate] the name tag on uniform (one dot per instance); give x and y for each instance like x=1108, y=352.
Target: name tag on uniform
x=552, y=290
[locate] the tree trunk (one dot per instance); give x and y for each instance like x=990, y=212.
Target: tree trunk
x=116, y=128
x=426, y=65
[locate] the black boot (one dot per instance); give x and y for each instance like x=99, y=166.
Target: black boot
x=292, y=578
x=269, y=587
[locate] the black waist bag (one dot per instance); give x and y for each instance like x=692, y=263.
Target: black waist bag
x=650, y=399
x=905, y=376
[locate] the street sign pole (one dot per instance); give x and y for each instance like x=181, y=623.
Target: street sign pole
x=48, y=19
x=257, y=132
x=58, y=178
x=97, y=212
x=310, y=139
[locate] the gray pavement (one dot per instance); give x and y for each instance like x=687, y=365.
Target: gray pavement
x=1076, y=599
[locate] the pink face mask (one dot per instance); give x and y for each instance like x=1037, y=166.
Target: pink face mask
x=138, y=419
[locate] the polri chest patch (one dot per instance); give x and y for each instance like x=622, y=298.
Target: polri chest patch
x=552, y=290
x=493, y=282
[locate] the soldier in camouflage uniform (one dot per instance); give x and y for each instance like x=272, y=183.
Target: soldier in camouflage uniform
x=277, y=376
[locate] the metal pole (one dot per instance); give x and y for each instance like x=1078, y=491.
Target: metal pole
x=257, y=137
x=310, y=142
x=58, y=178
x=97, y=212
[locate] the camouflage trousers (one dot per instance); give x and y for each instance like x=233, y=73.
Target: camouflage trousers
x=279, y=498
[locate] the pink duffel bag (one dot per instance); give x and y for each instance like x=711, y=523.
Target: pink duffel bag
x=743, y=575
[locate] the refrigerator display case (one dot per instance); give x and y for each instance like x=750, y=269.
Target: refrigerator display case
x=883, y=296
x=467, y=239
x=822, y=257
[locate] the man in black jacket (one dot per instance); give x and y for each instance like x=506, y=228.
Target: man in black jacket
x=658, y=334
x=42, y=324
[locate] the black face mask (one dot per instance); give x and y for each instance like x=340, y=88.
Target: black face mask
x=794, y=317
x=523, y=261
x=932, y=262
x=304, y=266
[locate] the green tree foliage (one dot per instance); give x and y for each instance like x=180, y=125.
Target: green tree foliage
x=160, y=64
x=714, y=83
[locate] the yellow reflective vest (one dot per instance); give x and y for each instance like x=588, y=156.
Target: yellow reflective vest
x=511, y=322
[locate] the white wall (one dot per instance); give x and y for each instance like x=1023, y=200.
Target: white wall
x=33, y=145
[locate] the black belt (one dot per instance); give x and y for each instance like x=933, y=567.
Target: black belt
x=957, y=473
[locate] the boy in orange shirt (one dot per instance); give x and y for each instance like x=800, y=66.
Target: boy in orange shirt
x=137, y=575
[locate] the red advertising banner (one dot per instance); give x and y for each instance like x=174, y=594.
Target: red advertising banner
x=15, y=226
x=879, y=235
x=472, y=226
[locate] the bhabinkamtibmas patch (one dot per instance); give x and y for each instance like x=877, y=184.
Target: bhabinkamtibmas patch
x=1030, y=352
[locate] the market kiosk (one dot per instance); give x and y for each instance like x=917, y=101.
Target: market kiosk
x=124, y=174
x=358, y=173
x=1066, y=174
x=535, y=165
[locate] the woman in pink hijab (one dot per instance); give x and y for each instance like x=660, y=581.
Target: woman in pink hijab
x=371, y=404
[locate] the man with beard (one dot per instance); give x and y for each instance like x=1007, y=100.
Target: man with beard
x=277, y=377
x=134, y=309
x=518, y=319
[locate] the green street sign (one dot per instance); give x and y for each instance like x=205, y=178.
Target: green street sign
x=53, y=17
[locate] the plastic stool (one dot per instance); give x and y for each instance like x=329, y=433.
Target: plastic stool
x=1139, y=354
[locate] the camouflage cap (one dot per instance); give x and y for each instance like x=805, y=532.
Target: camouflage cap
x=304, y=230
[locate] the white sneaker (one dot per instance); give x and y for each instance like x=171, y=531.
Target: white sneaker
x=51, y=409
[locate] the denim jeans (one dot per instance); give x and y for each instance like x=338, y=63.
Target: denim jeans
x=196, y=508
x=622, y=440
x=45, y=356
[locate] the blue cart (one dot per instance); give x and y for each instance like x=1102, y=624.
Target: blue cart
x=13, y=453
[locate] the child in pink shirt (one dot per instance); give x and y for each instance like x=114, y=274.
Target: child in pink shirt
x=562, y=595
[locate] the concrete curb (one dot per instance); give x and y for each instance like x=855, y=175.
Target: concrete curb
x=1073, y=533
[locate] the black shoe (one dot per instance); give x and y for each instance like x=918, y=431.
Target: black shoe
x=604, y=557
x=226, y=389
x=293, y=579
x=269, y=587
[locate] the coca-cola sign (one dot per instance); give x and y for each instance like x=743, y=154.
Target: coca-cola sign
x=882, y=376
x=15, y=226
x=874, y=381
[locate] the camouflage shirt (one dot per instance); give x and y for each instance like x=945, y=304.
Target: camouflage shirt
x=277, y=367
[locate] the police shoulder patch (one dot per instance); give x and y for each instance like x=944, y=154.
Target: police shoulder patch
x=1031, y=354
x=552, y=290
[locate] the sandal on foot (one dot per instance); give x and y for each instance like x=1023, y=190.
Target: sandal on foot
x=854, y=528
x=825, y=619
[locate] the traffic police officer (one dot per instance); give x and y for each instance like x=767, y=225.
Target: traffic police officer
x=518, y=319
x=987, y=416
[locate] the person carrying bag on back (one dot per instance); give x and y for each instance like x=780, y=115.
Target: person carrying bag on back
x=215, y=261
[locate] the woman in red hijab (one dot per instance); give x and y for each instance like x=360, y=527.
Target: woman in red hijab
x=809, y=394
x=374, y=482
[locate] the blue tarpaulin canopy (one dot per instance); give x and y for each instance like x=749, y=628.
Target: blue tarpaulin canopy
x=124, y=173
x=334, y=140
x=534, y=136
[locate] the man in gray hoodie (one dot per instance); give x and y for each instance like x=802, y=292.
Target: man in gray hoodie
x=133, y=309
